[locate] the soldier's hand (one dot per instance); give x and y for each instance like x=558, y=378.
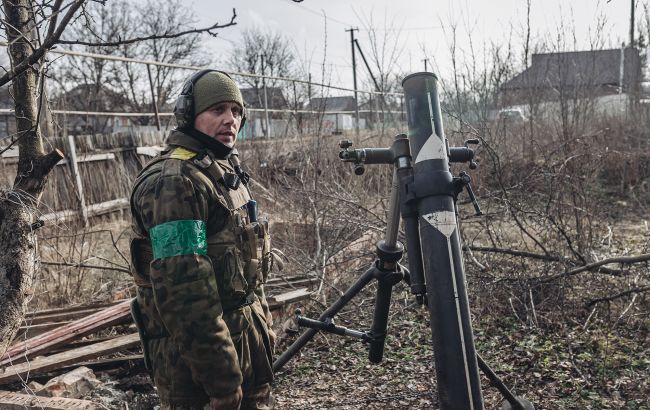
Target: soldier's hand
x=228, y=402
x=272, y=337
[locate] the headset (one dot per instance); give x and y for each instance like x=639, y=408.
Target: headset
x=184, y=107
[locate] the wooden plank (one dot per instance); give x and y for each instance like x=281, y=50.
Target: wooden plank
x=77, y=178
x=292, y=296
x=290, y=283
x=91, y=158
x=109, y=363
x=92, y=210
x=30, y=331
x=278, y=301
x=95, y=306
x=59, y=317
x=18, y=401
x=55, y=361
x=43, y=343
x=10, y=153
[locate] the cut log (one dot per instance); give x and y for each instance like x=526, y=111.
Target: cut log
x=18, y=401
x=56, y=361
x=43, y=343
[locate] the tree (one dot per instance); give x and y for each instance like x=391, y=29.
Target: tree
x=32, y=28
x=262, y=52
x=117, y=85
x=385, y=51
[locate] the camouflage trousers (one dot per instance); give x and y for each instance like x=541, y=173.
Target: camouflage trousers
x=258, y=399
x=248, y=331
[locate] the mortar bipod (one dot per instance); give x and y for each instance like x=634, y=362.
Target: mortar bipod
x=386, y=269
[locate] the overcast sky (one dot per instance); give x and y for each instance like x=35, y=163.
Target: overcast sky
x=425, y=26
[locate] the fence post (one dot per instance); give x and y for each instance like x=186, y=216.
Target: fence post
x=266, y=102
x=295, y=108
x=153, y=98
x=74, y=166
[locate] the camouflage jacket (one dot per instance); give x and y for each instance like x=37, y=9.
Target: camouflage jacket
x=199, y=251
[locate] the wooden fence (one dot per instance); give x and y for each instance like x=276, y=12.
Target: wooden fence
x=95, y=177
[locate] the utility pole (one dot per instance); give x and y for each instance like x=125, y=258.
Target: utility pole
x=632, y=23
x=266, y=102
x=354, y=77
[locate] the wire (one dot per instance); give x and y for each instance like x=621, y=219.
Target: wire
x=403, y=29
x=321, y=14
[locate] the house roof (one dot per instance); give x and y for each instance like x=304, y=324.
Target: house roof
x=578, y=68
x=92, y=97
x=254, y=98
x=343, y=103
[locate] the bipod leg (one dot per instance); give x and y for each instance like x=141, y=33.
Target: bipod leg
x=329, y=313
x=512, y=402
x=389, y=274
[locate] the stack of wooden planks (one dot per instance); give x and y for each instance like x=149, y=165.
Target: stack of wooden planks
x=52, y=339
x=29, y=355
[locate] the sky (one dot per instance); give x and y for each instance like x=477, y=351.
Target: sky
x=418, y=28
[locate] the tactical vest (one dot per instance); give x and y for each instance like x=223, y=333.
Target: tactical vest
x=240, y=252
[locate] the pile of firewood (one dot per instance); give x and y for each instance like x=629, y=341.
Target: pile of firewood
x=59, y=340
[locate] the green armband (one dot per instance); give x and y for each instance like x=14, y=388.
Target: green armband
x=174, y=238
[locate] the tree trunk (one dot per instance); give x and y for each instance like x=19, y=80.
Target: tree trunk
x=18, y=206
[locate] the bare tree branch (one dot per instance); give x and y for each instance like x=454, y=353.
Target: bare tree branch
x=164, y=35
x=549, y=258
x=619, y=295
x=628, y=260
x=48, y=43
x=54, y=18
x=83, y=265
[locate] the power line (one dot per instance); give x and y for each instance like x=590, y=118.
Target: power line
x=195, y=68
x=320, y=14
x=403, y=29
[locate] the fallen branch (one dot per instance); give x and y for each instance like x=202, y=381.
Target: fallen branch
x=549, y=258
x=513, y=252
x=626, y=260
x=83, y=265
x=618, y=295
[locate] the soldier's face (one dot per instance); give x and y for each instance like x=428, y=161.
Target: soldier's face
x=221, y=122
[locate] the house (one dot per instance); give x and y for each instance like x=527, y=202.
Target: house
x=338, y=113
x=276, y=102
x=342, y=103
x=254, y=98
x=592, y=73
x=92, y=98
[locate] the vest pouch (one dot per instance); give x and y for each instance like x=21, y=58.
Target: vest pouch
x=233, y=283
x=252, y=238
x=252, y=274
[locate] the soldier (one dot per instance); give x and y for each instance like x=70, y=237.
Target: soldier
x=200, y=257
